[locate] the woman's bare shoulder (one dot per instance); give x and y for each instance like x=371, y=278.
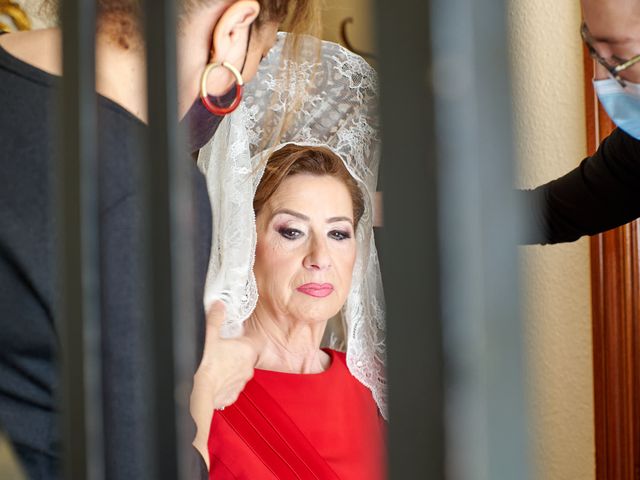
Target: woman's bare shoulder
x=40, y=48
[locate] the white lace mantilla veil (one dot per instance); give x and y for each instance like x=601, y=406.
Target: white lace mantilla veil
x=338, y=110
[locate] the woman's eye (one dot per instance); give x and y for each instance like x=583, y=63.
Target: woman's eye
x=290, y=233
x=339, y=234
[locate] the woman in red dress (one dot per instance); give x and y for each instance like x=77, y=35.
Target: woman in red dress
x=306, y=412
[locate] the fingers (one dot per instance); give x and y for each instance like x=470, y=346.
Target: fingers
x=229, y=399
x=231, y=395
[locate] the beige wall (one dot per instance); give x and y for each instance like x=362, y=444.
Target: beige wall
x=359, y=32
x=550, y=140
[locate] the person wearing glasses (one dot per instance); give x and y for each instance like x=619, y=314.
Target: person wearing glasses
x=219, y=44
x=603, y=192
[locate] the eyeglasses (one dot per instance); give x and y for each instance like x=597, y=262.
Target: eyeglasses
x=614, y=68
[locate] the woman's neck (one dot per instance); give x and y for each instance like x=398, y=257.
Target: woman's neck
x=40, y=48
x=120, y=72
x=126, y=83
x=121, y=67
x=287, y=345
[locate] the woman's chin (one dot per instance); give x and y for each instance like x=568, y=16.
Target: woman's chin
x=316, y=310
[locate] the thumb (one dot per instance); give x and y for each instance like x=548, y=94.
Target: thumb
x=215, y=318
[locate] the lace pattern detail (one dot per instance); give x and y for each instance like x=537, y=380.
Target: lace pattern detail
x=338, y=110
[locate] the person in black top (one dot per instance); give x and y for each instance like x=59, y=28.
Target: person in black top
x=239, y=32
x=604, y=191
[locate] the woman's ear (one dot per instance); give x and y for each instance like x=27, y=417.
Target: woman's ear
x=231, y=32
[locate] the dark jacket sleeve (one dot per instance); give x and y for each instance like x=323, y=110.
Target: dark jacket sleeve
x=602, y=193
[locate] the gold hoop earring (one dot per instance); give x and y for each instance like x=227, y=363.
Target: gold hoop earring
x=204, y=96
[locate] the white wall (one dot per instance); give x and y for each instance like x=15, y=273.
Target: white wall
x=550, y=140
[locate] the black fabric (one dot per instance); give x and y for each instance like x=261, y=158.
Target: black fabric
x=28, y=335
x=602, y=193
x=199, y=124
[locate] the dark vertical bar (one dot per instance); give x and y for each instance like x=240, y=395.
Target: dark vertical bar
x=451, y=228
x=77, y=207
x=410, y=242
x=169, y=270
x=480, y=224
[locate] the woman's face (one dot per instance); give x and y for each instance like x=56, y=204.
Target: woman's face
x=305, y=249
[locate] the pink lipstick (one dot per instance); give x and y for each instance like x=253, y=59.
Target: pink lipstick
x=318, y=290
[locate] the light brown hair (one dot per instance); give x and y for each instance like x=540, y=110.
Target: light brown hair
x=295, y=159
x=121, y=18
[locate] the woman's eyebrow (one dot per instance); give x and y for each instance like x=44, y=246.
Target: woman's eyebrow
x=339, y=219
x=293, y=213
x=302, y=216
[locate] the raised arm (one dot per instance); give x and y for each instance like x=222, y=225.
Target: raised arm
x=602, y=193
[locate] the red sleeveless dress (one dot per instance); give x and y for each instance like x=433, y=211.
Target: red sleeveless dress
x=323, y=426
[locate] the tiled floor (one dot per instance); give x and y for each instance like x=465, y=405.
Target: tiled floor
x=8, y=467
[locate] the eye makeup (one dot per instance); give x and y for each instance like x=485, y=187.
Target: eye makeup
x=290, y=228
x=289, y=233
x=340, y=234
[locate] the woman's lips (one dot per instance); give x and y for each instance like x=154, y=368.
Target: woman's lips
x=318, y=290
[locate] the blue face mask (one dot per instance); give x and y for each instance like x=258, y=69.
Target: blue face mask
x=622, y=104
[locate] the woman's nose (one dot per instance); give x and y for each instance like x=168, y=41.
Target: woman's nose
x=318, y=257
